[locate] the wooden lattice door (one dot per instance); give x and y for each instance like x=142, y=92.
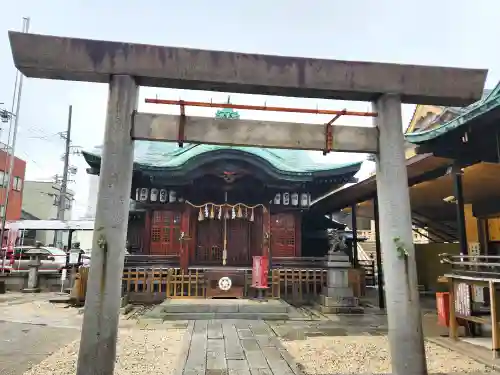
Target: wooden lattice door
x=238, y=242
x=165, y=233
x=209, y=242
x=283, y=235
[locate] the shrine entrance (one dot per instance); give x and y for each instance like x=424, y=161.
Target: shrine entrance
x=242, y=237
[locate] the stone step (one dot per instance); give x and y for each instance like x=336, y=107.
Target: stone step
x=233, y=309
x=222, y=315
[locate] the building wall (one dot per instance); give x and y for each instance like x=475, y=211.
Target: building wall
x=40, y=200
x=429, y=266
x=92, y=197
x=16, y=186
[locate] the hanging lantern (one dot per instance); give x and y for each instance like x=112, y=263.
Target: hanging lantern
x=233, y=214
x=212, y=213
x=154, y=195
x=226, y=213
x=206, y=211
x=163, y=195
x=181, y=199
x=286, y=199
x=295, y=199
x=264, y=209
x=251, y=215
x=240, y=213
x=219, y=215
x=308, y=199
x=277, y=198
x=137, y=194
x=143, y=195
x=172, y=196
x=304, y=200
x=200, y=215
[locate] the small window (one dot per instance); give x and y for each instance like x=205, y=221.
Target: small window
x=2, y=210
x=18, y=184
x=2, y=176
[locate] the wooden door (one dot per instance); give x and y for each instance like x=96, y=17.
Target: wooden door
x=165, y=233
x=283, y=235
x=209, y=242
x=238, y=242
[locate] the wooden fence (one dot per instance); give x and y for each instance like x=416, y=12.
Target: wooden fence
x=292, y=285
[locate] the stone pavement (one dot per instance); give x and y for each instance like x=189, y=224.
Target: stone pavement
x=24, y=345
x=234, y=347
x=31, y=330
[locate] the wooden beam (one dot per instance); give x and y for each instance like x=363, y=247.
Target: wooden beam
x=269, y=134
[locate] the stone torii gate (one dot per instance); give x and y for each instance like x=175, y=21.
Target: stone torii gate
x=126, y=66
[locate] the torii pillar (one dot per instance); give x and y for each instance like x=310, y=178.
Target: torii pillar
x=406, y=340
x=102, y=302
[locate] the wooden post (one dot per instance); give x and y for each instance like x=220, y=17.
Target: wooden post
x=266, y=233
x=495, y=338
x=354, y=228
x=453, y=320
x=184, y=242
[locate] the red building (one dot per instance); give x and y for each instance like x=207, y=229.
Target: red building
x=16, y=185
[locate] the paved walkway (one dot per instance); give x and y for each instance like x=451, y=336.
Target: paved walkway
x=234, y=347
x=31, y=330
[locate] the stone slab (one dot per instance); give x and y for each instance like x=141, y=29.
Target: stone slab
x=340, y=309
x=336, y=264
x=336, y=292
x=338, y=301
x=52, y=57
x=211, y=316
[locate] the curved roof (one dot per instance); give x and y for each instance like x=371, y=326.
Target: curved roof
x=487, y=103
x=159, y=155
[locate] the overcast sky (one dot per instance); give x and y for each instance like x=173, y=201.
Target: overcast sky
x=446, y=32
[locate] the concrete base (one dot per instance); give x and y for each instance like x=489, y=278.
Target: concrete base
x=220, y=309
x=31, y=290
x=339, y=305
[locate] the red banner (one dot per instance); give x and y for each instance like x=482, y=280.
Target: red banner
x=11, y=239
x=260, y=271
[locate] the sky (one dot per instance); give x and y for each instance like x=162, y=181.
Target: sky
x=460, y=33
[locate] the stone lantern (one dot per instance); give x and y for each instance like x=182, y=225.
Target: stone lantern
x=37, y=255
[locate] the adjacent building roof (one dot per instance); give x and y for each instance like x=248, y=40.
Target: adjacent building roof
x=490, y=101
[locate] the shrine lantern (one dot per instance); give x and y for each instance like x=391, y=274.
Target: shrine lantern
x=260, y=271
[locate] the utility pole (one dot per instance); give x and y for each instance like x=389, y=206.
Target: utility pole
x=7, y=180
x=61, y=207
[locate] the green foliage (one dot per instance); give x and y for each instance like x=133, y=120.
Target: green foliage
x=400, y=248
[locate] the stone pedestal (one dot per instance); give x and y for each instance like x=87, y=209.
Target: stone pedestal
x=337, y=297
x=33, y=266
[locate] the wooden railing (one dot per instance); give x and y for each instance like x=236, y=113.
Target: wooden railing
x=292, y=284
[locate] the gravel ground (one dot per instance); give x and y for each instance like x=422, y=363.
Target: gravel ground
x=151, y=351
x=370, y=354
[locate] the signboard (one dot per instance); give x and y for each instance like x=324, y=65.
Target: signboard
x=260, y=271
x=11, y=239
x=74, y=256
x=462, y=299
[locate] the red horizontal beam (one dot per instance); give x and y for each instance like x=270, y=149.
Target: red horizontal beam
x=261, y=108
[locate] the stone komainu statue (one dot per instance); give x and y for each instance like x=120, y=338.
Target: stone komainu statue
x=336, y=240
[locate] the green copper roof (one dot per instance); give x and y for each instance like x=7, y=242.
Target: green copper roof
x=159, y=155
x=489, y=102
